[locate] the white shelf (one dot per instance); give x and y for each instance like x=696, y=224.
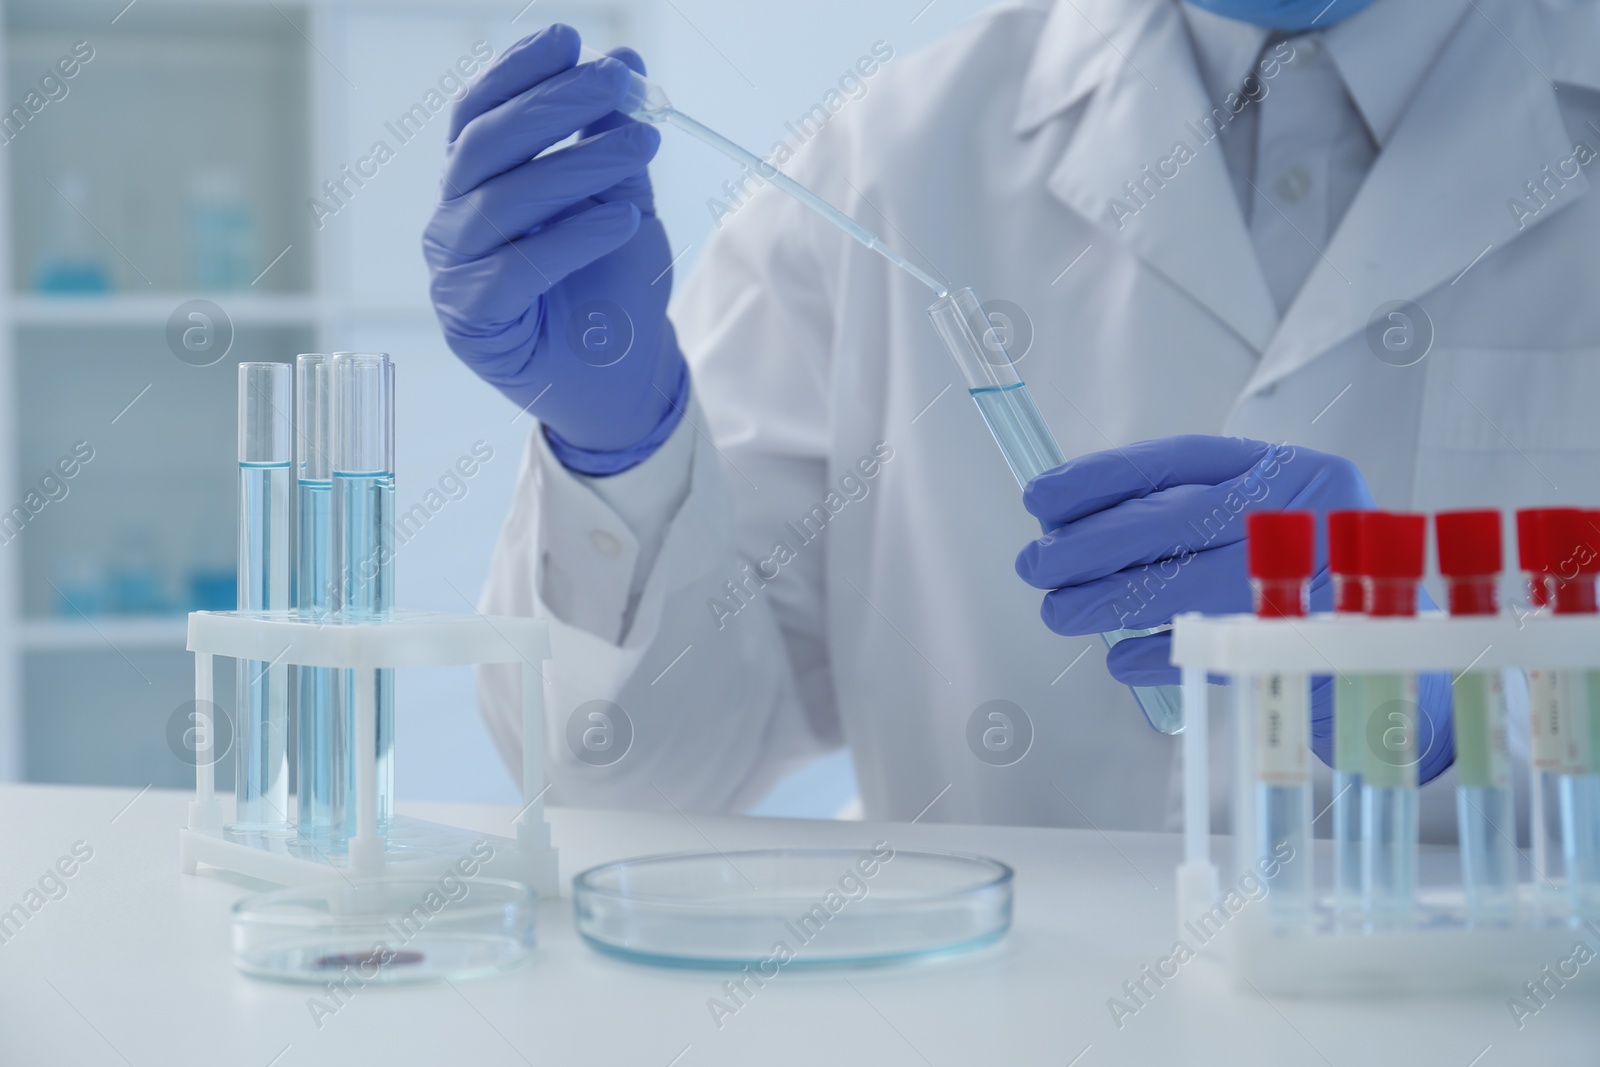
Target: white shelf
x=108, y=632
x=264, y=309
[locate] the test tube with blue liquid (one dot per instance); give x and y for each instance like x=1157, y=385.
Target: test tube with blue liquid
x=1470, y=559
x=1281, y=550
x=1392, y=550
x=322, y=752
x=1025, y=440
x=1349, y=721
x=1573, y=553
x=266, y=428
x=1001, y=396
x=362, y=565
x=1544, y=709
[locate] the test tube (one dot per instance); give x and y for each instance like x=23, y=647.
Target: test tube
x=1544, y=744
x=1573, y=550
x=1392, y=549
x=1281, y=548
x=1470, y=559
x=363, y=551
x=266, y=427
x=322, y=749
x=1026, y=442
x=1349, y=720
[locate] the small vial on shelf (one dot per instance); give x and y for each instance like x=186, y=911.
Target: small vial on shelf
x=1349, y=720
x=1281, y=547
x=1470, y=558
x=266, y=428
x=1573, y=552
x=1392, y=550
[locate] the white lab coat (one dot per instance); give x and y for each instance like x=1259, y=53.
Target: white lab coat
x=993, y=157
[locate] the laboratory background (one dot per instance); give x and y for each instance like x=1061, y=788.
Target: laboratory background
x=292, y=650
x=189, y=157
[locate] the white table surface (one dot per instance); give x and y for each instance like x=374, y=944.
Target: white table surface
x=131, y=967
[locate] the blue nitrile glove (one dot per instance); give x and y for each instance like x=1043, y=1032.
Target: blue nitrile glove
x=551, y=274
x=1291, y=15
x=1147, y=532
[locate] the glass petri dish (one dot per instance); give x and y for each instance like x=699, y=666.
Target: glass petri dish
x=773, y=908
x=385, y=931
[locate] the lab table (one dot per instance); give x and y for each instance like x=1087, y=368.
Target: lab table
x=126, y=962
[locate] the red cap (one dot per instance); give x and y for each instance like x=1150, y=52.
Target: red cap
x=1392, y=545
x=1281, y=544
x=1344, y=542
x=1530, y=539
x=1571, y=541
x=1470, y=557
x=1531, y=552
x=1572, y=558
x=1469, y=543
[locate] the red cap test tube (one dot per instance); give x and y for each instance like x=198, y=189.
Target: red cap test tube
x=1470, y=558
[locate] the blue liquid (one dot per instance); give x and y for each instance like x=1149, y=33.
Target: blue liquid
x=324, y=766
x=1347, y=889
x=1030, y=450
x=1389, y=800
x=261, y=768
x=1389, y=828
x=363, y=545
x=1487, y=827
x=1284, y=813
x=1485, y=812
x=1580, y=842
x=1281, y=704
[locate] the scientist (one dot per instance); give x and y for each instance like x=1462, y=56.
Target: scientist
x=771, y=524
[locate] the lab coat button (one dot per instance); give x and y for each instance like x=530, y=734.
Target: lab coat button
x=606, y=544
x=1294, y=184
x=1307, y=50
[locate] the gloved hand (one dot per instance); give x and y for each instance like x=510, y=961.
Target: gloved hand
x=1143, y=533
x=550, y=269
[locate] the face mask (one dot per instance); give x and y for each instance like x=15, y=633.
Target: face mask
x=1292, y=15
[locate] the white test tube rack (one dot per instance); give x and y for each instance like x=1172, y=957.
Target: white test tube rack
x=1441, y=954
x=413, y=847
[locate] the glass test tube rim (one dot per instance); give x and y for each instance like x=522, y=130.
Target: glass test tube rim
x=266, y=414
x=365, y=450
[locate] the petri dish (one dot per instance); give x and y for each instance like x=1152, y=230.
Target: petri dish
x=772, y=908
x=385, y=931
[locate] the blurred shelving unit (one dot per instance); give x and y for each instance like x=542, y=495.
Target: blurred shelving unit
x=189, y=156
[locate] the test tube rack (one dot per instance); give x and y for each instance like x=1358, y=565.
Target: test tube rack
x=1439, y=953
x=413, y=847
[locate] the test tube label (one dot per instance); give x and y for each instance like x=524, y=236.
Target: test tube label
x=1283, y=714
x=1577, y=693
x=1544, y=720
x=1483, y=756
x=1392, y=720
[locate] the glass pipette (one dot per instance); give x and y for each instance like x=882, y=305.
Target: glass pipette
x=647, y=103
x=992, y=381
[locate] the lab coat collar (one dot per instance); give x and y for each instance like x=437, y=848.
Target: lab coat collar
x=1148, y=99
x=1482, y=124
x=1384, y=51
x=1082, y=42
